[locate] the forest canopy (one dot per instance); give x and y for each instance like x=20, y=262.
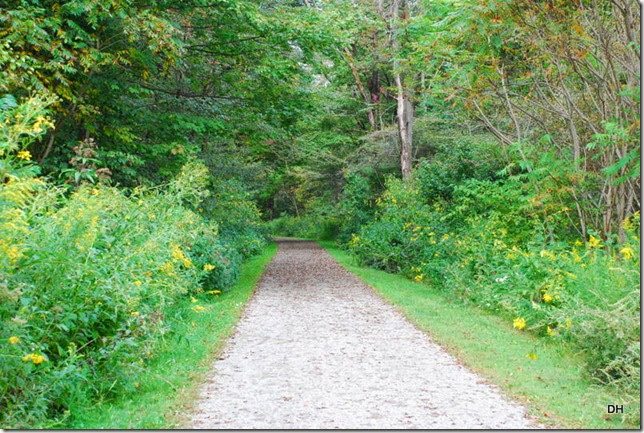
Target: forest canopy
x=465, y=143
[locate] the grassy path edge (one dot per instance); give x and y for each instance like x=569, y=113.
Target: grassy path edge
x=552, y=387
x=172, y=382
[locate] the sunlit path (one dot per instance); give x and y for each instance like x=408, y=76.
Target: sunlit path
x=317, y=348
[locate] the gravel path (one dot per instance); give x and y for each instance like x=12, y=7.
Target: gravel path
x=317, y=348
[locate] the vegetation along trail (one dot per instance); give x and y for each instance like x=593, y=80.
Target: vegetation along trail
x=317, y=348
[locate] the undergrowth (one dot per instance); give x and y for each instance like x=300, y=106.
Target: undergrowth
x=89, y=271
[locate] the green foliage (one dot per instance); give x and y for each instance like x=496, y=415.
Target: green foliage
x=552, y=387
x=489, y=247
x=305, y=227
x=180, y=363
x=356, y=206
x=87, y=292
x=86, y=280
x=231, y=207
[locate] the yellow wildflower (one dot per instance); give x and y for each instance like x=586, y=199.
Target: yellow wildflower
x=519, y=323
x=167, y=267
x=551, y=332
x=548, y=254
x=419, y=277
x=14, y=340
x=593, y=242
x=34, y=357
x=179, y=256
x=578, y=243
x=533, y=356
x=198, y=308
x=627, y=252
x=24, y=154
x=137, y=283
x=547, y=297
x=193, y=299
x=208, y=267
x=14, y=253
x=135, y=313
x=214, y=292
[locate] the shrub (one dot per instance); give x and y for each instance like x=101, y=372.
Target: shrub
x=239, y=219
x=489, y=246
x=308, y=227
x=87, y=275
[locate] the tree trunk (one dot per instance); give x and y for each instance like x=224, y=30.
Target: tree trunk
x=404, y=109
x=405, y=117
x=365, y=97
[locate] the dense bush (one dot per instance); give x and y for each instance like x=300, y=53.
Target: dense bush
x=489, y=246
x=231, y=207
x=86, y=276
x=308, y=227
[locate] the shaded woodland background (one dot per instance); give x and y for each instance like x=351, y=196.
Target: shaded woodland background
x=488, y=147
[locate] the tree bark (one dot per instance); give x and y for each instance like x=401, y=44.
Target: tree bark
x=356, y=76
x=404, y=107
x=405, y=126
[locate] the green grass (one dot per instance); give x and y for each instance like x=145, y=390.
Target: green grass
x=170, y=386
x=553, y=387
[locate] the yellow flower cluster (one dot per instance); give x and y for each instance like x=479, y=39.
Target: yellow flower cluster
x=13, y=253
x=41, y=124
x=24, y=154
x=14, y=340
x=549, y=254
x=627, y=224
x=627, y=253
x=167, y=268
x=198, y=309
x=179, y=256
x=208, y=267
x=594, y=242
x=34, y=357
x=519, y=323
x=533, y=356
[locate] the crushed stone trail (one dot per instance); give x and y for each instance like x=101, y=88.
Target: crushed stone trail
x=317, y=348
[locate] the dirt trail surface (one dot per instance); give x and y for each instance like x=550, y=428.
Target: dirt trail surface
x=317, y=348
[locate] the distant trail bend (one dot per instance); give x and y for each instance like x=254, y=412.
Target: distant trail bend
x=317, y=348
